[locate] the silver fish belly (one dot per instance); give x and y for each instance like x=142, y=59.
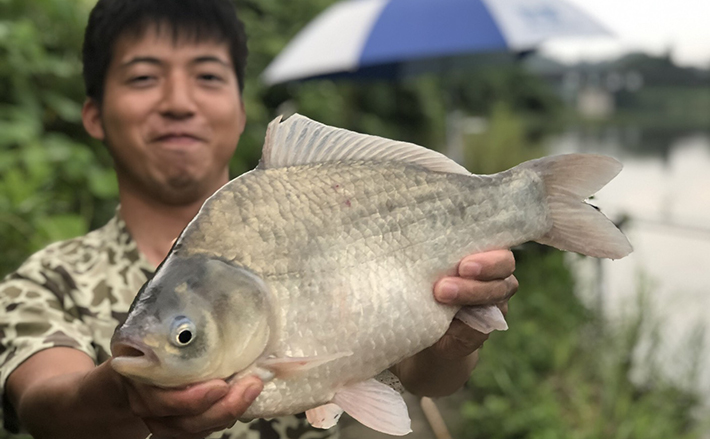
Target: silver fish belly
x=351, y=251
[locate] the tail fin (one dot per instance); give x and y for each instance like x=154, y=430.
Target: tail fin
x=576, y=225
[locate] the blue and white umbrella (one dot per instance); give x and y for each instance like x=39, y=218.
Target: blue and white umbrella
x=380, y=38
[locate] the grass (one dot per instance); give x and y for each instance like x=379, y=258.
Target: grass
x=562, y=372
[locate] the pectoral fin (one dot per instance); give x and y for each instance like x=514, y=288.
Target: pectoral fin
x=285, y=367
x=375, y=405
x=484, y=319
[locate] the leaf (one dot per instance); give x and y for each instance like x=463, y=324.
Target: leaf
x=66, y=108
x=18, y=132
x=16, y=187
x=36, y=163
x=103, y=183
x=61, y=227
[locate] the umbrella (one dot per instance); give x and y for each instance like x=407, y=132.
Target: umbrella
x=394, y=38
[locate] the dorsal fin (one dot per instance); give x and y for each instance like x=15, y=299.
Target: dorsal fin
x=300, y=140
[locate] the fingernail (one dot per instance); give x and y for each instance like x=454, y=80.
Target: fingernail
x=470, y=269
x=252, y=392
x=448, y=291
x=217, y=393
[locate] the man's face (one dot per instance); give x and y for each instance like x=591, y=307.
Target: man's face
x=171, y=116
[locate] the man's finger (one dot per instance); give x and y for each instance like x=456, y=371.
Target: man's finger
x=159, y=430
x=164, y=428
x=492, y=265
x=503, y=306
x=224, y=412
x=150, y=402
x=459, y=341
x=467, y=292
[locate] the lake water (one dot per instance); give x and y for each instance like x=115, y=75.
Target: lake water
x=664, y=190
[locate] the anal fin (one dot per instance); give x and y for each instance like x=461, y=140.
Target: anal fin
x=485, y=319
x=324, y=416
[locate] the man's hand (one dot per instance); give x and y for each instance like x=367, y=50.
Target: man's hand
x=483, y=279
x=193, y=412
x=59, y=393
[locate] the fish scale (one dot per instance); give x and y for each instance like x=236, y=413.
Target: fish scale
x=315, y=270
x=432, y=238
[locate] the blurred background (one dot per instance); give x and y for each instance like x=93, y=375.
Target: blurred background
x=596, y=349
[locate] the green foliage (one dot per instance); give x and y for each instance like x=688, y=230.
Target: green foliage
x=54, y=182
x=671, y=107
x=504, y=144
x=560, y=373
x=661, y=71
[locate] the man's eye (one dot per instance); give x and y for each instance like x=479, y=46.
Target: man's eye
x=142, y=79
x=209, y=77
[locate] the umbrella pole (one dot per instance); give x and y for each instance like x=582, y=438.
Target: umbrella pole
x=433, y=416
x=454, y=117
x=454, y=138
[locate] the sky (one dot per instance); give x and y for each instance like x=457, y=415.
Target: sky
x=653, y=26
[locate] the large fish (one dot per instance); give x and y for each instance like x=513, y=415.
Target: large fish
x=315, y=270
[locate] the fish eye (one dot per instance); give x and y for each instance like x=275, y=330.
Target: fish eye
x=183, y=332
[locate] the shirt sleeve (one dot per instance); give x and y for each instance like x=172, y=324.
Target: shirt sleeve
x=36, y=313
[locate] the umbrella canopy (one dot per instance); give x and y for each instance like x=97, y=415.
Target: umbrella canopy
x=385, y=38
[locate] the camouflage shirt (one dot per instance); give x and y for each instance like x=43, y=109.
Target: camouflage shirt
x=73, y=294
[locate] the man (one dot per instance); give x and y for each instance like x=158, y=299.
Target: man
x=164, y=81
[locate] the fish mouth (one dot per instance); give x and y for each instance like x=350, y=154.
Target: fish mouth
x=132, y=355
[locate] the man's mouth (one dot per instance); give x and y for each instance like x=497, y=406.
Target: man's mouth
x=178, y=138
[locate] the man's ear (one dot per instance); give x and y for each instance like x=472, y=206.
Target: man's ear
x=91, y=116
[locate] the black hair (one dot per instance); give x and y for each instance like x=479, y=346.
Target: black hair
x=198, y=20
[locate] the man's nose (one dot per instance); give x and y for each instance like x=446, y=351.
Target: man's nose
x=178, y=100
